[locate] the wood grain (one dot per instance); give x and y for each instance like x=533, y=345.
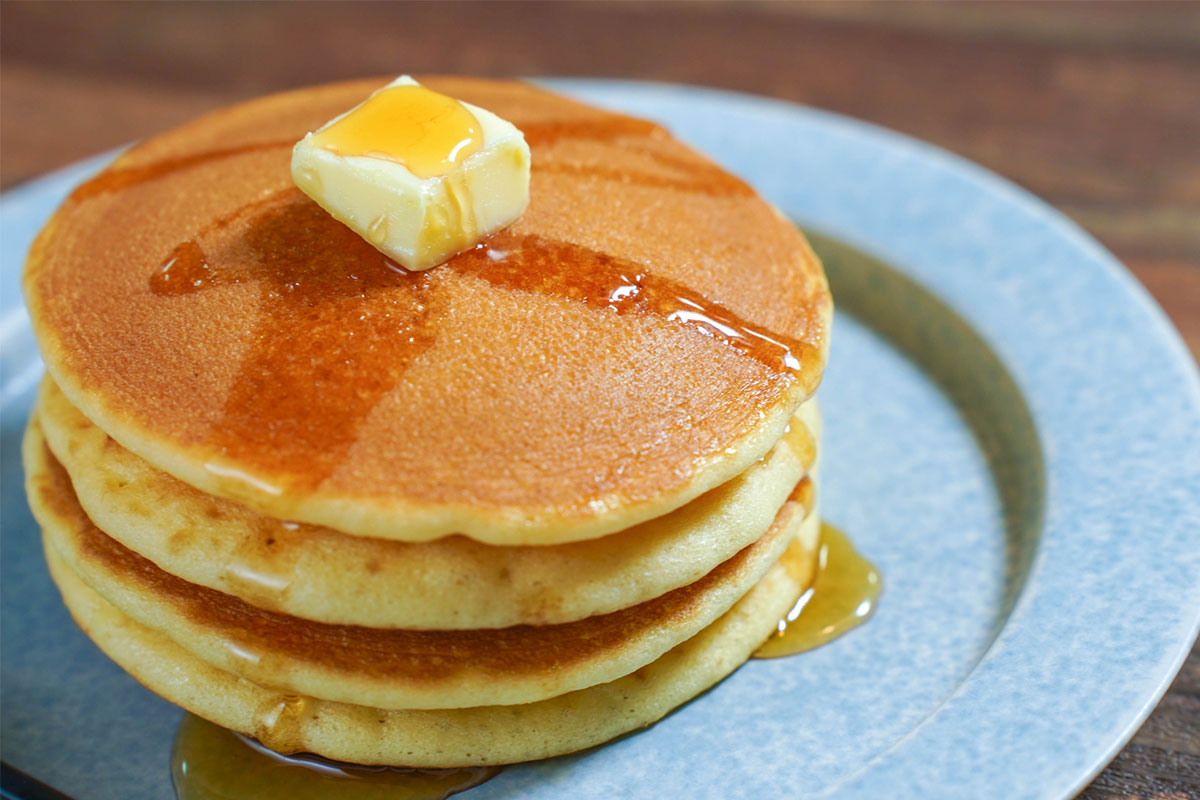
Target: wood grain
x=1092, y=106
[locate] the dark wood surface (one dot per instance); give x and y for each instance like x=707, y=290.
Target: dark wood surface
x=1095, y=107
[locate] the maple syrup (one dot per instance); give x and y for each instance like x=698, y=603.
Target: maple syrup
x=425, y=131
x=209, y=762
x=341, y=323
x=600, y=280
x=842, y=596
x=116, y=179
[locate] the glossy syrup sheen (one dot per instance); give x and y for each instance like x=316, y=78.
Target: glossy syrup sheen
x=340, y=323
x=842, y=597
x=211, y=763
x=599, y=280
x=427, y=132
x=329, y=343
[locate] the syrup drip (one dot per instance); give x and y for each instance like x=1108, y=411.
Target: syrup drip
x=279, y=725
x=842, y=596
x=340, y=323
x=211, y=763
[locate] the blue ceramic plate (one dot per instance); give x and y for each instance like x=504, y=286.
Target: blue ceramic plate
x=1012, y=436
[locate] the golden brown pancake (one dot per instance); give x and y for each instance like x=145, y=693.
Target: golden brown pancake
x=394, y=668
x=451, y=583
x=642, y=334
x=445, y=737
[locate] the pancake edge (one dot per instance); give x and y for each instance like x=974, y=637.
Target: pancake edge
x=435, y=738
x=228, y=649
x=226, y=543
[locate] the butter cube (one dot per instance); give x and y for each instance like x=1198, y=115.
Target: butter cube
x=419, y=175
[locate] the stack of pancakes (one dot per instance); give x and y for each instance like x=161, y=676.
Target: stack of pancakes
x=507, y=508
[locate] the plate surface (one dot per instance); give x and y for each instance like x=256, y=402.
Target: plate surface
x=1011, y=436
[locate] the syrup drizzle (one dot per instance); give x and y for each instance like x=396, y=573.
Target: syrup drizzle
x=112, y=180
x=211, y=763
x=695, y=177
x=340, y=323
x=599, y=280
x=338, y=327
x=605, y=128
x=843, y=595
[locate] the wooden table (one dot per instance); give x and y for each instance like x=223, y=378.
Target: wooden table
x=1093, y=106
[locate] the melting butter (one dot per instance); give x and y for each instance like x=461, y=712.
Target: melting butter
x=427, y=132
x=420, y=175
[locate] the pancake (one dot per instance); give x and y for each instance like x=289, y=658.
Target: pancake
x=394, y=668
x=642, y=334
x=452, y=583
x=443, y=738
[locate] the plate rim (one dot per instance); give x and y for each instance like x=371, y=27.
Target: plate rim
x=1163, y=331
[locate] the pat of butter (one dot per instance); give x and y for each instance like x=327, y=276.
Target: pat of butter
x=419, y=175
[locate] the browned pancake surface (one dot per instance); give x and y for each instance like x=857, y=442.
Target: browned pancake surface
x=574, y=374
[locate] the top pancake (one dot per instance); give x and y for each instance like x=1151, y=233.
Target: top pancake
x=641, y=334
